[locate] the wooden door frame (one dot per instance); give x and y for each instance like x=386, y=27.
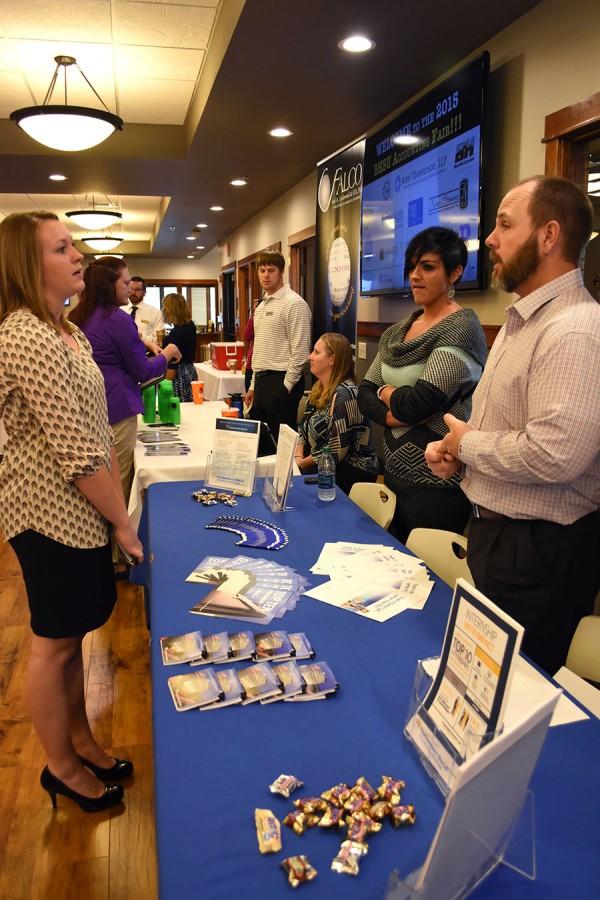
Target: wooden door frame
x=295, y=243
x=565, y=134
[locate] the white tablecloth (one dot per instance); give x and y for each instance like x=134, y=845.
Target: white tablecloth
x=197, y=430
x=218, y=383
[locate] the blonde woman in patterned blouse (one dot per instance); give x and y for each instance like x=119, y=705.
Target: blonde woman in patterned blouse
x=60, y=493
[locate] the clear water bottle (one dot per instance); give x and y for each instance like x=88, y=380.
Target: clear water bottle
x=326, y=470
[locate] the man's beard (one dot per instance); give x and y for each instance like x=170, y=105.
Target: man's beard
x=523, y=264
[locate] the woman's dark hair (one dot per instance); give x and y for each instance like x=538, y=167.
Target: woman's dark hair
x=451, y=249
x=99, y=278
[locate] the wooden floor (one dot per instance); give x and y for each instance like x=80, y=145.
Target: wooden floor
x=68, y=854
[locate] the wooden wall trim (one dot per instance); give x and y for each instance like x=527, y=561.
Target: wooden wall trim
x=569, y=119
x=376, y=329
x=371, y=329
x=303, y=235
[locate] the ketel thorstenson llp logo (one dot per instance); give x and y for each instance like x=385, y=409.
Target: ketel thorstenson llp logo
x=343, y=187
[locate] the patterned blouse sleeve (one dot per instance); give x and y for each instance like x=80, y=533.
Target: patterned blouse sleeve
x=334, y=426
x=35, y=362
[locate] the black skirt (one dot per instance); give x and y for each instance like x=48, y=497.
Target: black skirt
x=70, y=591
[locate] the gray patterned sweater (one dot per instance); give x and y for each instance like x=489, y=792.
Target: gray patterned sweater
x=435, y=373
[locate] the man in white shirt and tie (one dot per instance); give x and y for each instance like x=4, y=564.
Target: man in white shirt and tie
x=148, y=319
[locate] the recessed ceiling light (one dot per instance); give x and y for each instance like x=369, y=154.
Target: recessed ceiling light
x=217, y=208
x=201, y=225
x=406, y=139
x=239, y=182
x=57, y=177
x=280, y=132
x=200, y=247
x=190, y=256
x=190, y=237
x=356, y=43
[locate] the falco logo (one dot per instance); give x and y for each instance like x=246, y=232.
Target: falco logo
x=343, y=182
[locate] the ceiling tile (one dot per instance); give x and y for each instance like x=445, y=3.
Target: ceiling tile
x=160, y=25
x=14, y=93
x=156, y=102
x=69, y=20
x=158, y=62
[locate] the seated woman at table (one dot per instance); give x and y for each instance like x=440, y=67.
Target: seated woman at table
x=119, y=352
x=183, y=335
x=427, y=365
x=60, y=493
x=332, y=418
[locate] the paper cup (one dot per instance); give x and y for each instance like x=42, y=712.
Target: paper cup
x=230, y=413
x=197, y=391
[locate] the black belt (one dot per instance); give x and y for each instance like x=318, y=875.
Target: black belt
x=480, y=512
x=264, y=372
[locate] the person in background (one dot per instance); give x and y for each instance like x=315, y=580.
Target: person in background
x=249, y=339
x=425, y=366
x=183, y=335
x=60, y=495
x=332, y=417
x=530, y=452
x=120, y=354
x=281, y=348
x=148, y=319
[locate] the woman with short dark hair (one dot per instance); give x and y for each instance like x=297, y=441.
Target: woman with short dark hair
x=427, y=365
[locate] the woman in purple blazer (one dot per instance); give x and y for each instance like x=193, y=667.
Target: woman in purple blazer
x=119, y=353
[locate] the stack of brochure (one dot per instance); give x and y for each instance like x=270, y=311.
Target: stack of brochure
x=216, y=688
x=373, y=580
x=196, y=649
x=246, y=588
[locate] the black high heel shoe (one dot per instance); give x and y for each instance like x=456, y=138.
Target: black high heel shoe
x=113, y=793
x=122, y=769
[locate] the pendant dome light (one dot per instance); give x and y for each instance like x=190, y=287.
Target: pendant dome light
x=65, y=127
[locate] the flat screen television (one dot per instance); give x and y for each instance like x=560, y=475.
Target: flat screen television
x=425, y=168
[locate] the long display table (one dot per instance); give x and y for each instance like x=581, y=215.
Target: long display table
x=213, y=768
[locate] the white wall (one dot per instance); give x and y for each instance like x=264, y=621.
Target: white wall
x=546, y=60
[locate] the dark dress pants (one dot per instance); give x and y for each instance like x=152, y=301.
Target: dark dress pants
x=273, y=403
x=544, y=575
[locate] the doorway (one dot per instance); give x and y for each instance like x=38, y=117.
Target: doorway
x=229, y=304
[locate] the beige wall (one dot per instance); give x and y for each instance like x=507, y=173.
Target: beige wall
x=546, y=60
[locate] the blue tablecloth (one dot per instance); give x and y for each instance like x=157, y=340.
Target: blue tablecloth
x=213, y=768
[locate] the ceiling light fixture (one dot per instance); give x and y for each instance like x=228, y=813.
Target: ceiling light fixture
x=190, y=256
x=280, y=132
x=191, y=237
x=201, y=225
x=200, y=247
x=217, y=208
x=103, y=242
x=356, y=43
x=239, y=182
x=93, y=219
x=65, y=127
x=102, y=255
x=57, y=177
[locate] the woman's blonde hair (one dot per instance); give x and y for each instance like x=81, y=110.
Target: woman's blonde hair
x=175, y=309
x=339, y=347
x=21, y=283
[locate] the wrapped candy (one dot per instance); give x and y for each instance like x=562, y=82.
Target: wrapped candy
x=298, y=869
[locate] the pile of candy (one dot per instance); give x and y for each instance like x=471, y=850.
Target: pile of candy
x=211, y=498
x=360, y=809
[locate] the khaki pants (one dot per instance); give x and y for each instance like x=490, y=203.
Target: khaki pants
x=124, y=433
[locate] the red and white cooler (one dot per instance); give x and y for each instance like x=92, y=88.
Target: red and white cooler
x=227, y=355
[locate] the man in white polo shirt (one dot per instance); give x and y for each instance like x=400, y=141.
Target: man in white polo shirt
x=148, y=319
x=282, y=324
